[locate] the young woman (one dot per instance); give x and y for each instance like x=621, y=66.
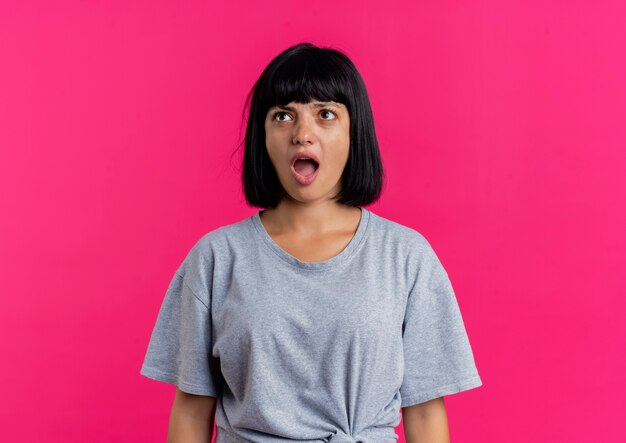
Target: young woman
x=315, y=319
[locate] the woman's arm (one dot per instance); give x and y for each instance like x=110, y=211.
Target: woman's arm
x=426, y=422
x=191, y=418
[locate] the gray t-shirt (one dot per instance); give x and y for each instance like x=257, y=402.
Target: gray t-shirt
x=311, y=351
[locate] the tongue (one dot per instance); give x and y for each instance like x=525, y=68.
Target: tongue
x=305, y=167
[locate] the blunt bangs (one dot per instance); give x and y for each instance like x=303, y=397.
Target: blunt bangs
x=302, y=79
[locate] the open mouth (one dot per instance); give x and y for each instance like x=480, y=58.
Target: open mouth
x=305, y=170
x=305, y=167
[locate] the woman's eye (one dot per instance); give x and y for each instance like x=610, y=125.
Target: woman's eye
x=326, y=111
x=326, y=114
x=277, y=114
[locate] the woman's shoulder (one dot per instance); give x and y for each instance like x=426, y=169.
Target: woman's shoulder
x=389, y=230
x=409, y=244
x=224, y=233
x=218, y=241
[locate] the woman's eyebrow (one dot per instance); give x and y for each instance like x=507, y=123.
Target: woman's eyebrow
x=325, y=104
x=314, y=105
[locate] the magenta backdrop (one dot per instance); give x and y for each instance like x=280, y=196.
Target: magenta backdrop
x=502, y=130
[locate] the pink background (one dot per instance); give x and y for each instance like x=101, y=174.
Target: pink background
x=502, y=130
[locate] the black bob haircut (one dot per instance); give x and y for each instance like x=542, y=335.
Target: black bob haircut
x=302, y=73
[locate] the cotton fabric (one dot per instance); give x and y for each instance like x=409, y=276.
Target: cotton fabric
x=311, y=351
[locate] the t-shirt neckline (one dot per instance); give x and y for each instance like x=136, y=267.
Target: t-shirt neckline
x=332, y=262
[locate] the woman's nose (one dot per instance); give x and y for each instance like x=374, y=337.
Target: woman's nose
x=303, y=132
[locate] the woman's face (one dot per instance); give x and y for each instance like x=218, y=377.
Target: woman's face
x=319, y=129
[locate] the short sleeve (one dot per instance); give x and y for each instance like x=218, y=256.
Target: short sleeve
x=179, y=349
x=437, y=353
